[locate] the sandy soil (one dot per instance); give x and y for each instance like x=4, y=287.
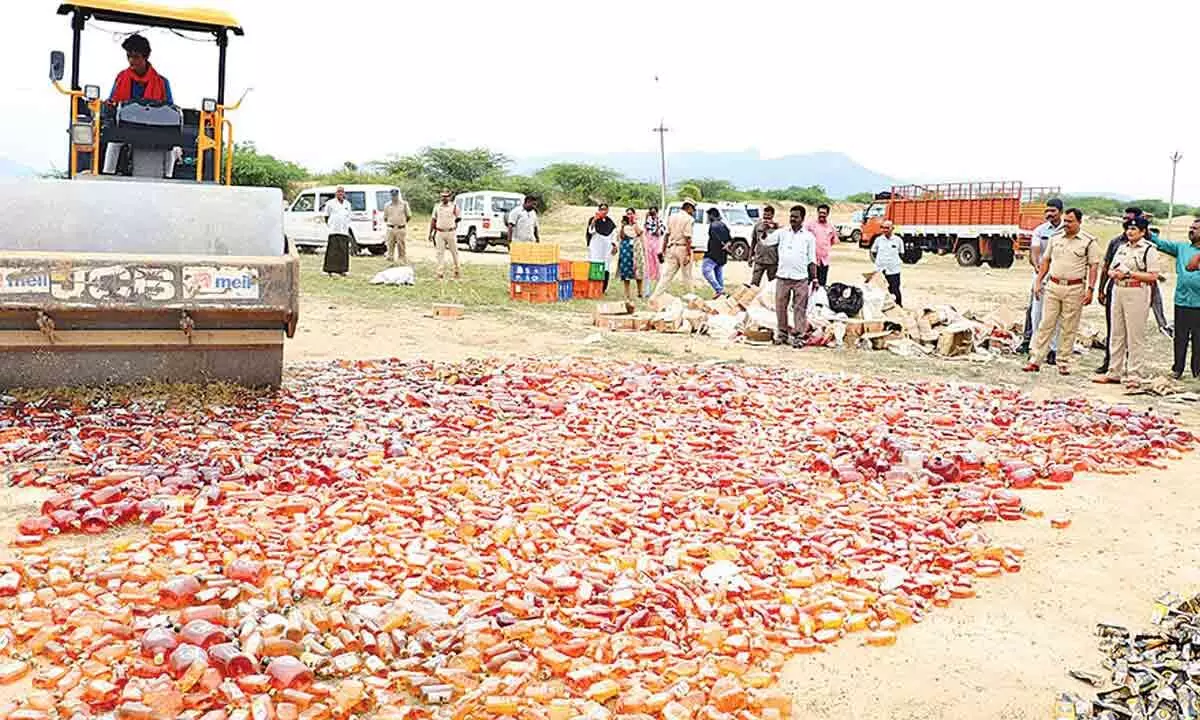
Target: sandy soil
x=1002, y=655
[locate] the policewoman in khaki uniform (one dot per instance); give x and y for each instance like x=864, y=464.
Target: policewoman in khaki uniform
x=1134, y=273
x=396, y=216
x=1066, y=282
x=443, y=227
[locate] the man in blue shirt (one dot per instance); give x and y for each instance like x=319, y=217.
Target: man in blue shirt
x=1187, y=297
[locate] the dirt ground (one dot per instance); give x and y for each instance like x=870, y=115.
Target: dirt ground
x=1004, y=654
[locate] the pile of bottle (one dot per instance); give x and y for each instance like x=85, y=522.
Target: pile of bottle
x=538, y=539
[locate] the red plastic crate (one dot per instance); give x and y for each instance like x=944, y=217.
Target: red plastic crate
x=533, y=292
x=588, y=289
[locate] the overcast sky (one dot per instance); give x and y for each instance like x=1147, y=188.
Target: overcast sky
x=1091, y=95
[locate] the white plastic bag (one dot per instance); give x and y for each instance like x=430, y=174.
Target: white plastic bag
x=817, y=300
x=395, y=276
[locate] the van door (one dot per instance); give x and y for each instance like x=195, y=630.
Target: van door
x=700, y=231
x=303, y=223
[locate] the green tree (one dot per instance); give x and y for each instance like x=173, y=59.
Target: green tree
x=534, y=186
x=579, y=183
x=712, y=189
x=250, y=167
x=452, y=168
x=862, y=197
x=688, y=190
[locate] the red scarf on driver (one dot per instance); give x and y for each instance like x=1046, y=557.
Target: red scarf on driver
x=156, y=89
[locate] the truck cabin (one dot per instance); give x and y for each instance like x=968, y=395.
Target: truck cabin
x=141, y=138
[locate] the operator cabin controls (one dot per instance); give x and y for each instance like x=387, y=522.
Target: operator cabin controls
x=143, y=139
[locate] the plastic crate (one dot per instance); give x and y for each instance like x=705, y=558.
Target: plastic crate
x=566, y=290
x=596, y=270
x=580, y=269
x=526, y=273
x=534, y=253
x=564, y=270
x=533, y=292
x=587, y=289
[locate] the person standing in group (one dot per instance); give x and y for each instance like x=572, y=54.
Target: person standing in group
x=678, y=255
x=523, y=222
x=886, y=251
x=1134, y=269
x=631, y=259
x=652, y=236
x=764, y=257
x=1071, y=260
x=717, y=252
x=337, y=246
x=1037, y=247
x=443, y=229
x=1187, y=297
x=826, y=234
x=796, y=277
x=1156, y=304
x=396, y=215
x=601, y=239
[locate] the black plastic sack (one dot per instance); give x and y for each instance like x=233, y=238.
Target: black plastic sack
x=845, y=299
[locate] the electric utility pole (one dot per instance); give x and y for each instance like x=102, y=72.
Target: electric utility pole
x=1175, y=158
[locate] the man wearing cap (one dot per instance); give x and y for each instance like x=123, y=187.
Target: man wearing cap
x=678, y=248
x=396, y=216
x=443, y=228
x=1066, y=282
x=1037, y=247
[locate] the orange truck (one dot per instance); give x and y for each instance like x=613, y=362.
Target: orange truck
x=978, y=222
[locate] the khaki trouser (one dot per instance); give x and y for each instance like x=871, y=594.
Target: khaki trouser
x=396, y=251
x=1130, y=307
x=446, y=240
x=1060, y=304
x=678, y=258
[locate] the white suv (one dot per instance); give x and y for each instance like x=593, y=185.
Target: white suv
x=741, y=228
x=304, y=221
x=483, y=217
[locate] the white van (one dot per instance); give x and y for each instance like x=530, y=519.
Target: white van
x=483, y=217
x=741, y=227
x=304, y=221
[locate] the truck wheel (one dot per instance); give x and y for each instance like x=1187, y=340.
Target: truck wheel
x=353, y=247
x=967, y=254
x=912, y=254
x=377, y=250
x=476, y=243
x=739, y=251
x=1002, y=257
x=856, y=237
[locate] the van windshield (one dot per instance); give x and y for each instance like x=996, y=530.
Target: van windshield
x=503, y=205
x=736, y=216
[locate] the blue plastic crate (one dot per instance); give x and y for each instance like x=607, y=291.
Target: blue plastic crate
x=526, y=273
x=566, y=290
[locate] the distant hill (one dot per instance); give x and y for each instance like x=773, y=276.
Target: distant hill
x=11, y=169
x=837, y=173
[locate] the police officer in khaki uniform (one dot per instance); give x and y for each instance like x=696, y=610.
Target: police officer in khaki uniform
x=396, y=215
x=678, y=251
x=1134, y=272
x=442, y=228
x=1066, y=282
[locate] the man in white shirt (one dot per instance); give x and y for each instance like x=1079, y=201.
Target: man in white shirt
x=337, y=246
x=886, y=252
x=523, y=223
x=794, y=278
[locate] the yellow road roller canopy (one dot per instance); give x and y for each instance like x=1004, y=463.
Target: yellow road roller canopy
x=153, y=14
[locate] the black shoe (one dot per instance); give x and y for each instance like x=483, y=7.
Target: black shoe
x=1102, y=370
x=797, y=342
x=1052, y=358
x=1023, y=349
x=1176, y=375
x=779, y=340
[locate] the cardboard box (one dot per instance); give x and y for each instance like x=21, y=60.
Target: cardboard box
x=643, y=322
x=448, y=311
x=614, y=308
x=662, y=302
x=723, y=306
x=955, y=340
x=745, y=296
